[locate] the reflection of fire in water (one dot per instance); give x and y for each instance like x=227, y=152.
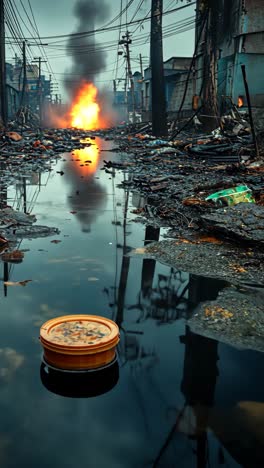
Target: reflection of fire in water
x=85, y=111
x=87, y=196
x=90, y=156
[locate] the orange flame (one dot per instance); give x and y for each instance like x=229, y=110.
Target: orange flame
x=240, y=102
x=85, y=111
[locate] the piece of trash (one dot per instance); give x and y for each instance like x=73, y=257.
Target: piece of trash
x=13, y=257
x=14, y=136
x=3, y=240
x=192, y=201
x=217, y=311
x=78, y=342
x=93, y=278
x=140, y=250
x=55, y=241
x=232, y=196
x=16, y=283
x=238, y=268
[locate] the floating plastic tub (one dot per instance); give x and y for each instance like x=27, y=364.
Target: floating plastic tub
x=232, y=196
x=79, y=342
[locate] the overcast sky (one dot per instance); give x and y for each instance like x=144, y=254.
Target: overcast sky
x=55, y=17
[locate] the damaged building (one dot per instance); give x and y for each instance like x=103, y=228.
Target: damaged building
x=175, y=77
x=228, y=34
x=234, y=31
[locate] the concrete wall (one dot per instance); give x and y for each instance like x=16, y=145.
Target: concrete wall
x=254, y=68
x=254, y=43
x=230, y=80
x=175, y=94
x=228, y=26
x=254, y=16
x=177, y=63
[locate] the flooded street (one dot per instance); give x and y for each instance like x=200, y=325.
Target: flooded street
x=175, y=399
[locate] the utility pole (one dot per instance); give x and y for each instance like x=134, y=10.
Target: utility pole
x=40, y=61
x=159, y=117
x=3, y=96
x=23, y=100
x=210, y=58
x=114, y=88
x=142, y=77
x=126, y=41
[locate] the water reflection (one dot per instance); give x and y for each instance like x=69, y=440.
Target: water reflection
x=21, y=195
x=87, y=197
x=182, y=400
x=88, y=159
x=165, y=299
x=80, y=384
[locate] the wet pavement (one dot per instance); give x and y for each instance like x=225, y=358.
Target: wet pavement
x=174, y=398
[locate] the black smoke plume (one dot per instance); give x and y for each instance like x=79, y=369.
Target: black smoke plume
x=88, y=58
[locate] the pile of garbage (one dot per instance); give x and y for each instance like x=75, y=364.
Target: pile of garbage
x=42, y=143
x=35, y=151
x=186, y=181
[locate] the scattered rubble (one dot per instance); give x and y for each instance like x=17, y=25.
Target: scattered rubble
x=212, y=258
x=29, y=151
x=243, y=222
x=177, y=178
x=235, y=317
x=15, y=225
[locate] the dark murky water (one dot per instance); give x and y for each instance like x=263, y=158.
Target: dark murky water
x=180, y=400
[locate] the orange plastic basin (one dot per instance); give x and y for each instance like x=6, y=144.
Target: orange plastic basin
x=79, y=341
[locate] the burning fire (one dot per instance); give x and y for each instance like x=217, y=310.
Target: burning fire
x=240, y=102
x=85, y=111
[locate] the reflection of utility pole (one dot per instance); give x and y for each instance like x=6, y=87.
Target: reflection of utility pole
x=159, y=118
x=126, y=41
x=148, y=266
x=6, y=277
x=40, y=61
x=124, y=271
x=198, y=384
x=3, y=96
x=25, y=194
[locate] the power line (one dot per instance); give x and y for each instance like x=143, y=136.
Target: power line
x=37, y=30
x=111, y=28
x=170, y=30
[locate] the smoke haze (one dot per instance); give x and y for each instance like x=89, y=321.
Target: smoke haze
x=87, y=58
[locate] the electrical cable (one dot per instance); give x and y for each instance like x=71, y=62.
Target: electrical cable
x=111, y=28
